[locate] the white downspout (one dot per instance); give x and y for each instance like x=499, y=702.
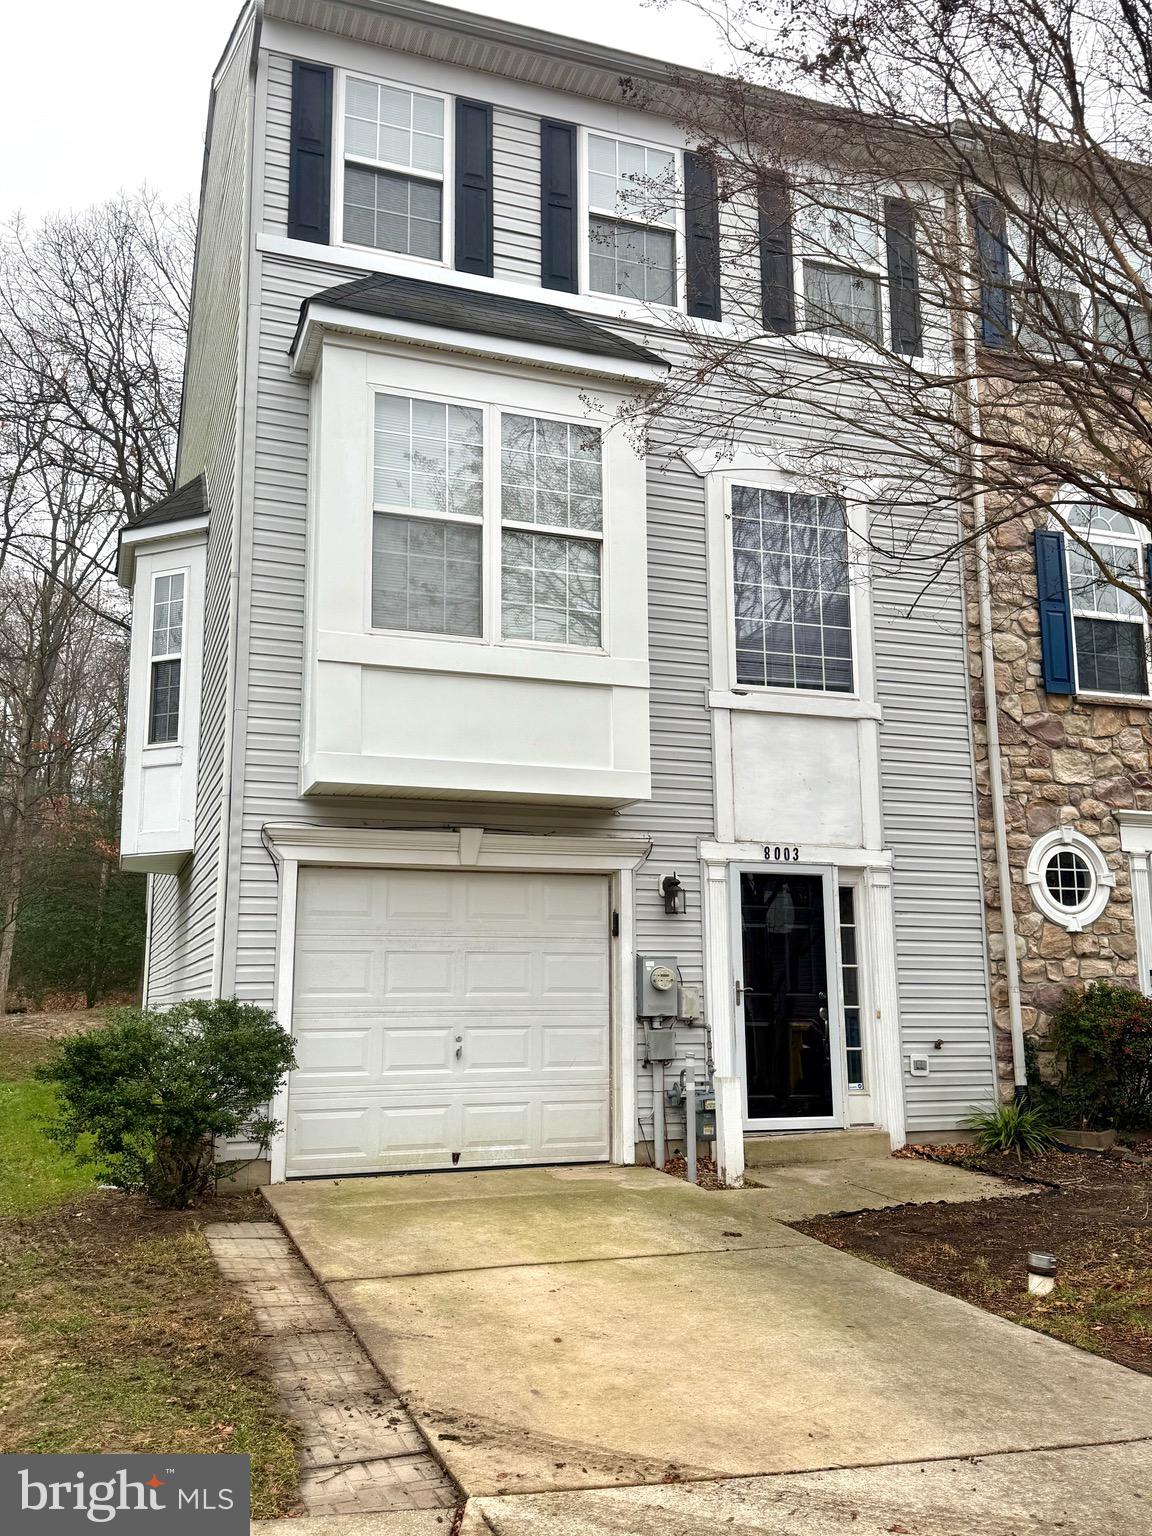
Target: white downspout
x=988, y=668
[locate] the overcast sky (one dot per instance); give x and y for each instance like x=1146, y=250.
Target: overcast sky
x=125, y=98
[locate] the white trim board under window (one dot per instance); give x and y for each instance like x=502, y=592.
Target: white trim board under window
x=393, y=195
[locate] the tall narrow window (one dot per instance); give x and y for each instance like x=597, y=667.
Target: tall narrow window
x=551, y=510
x=850, y=988
x=1109, y=625
x=790, y=588
x=632, y=196
x=428, y=500
x=167, y=654
x=393, y=169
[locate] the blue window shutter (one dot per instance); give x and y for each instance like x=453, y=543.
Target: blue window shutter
x=777, y=288
x=992, y=263
x=702, y=227
x=559, y=265
x=310, y=153
x=903, y=277
x=1055, y=612
x=474, y=187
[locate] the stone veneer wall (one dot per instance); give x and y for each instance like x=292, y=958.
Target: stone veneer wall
x=1067, y=761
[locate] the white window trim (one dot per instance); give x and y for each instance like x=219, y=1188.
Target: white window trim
x=181, y=710
x=1140, y=541
x=491, y=525
x=446, y=179
x=854, y=703
x=1073, y=919
x=675, y=226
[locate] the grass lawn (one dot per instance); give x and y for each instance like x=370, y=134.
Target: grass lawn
x=1093, y=1212
x=117, y=1332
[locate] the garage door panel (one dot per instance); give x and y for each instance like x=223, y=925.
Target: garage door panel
x=395, y=975
x=330, y=972
x=334, y=1052
x=414, y=973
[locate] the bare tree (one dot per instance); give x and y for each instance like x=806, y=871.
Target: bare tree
x=93, y=321
x=987, y=168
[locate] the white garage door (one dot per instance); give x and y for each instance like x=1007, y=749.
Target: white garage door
x=448, y=1019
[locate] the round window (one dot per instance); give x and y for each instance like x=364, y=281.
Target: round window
x=1069, y=878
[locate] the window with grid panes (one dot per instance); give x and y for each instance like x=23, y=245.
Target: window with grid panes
x=632, y=196
x=393, y=168
x=167, y=656
x=551, y=510
x=850, y=988
x=790, y=577
x=1109, y=625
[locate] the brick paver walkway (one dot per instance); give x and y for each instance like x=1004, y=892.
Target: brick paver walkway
x=360, y=1452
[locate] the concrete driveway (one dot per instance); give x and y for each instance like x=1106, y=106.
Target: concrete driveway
x=564, y=1329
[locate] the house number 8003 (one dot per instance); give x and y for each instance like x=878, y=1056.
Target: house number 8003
x=782, y=853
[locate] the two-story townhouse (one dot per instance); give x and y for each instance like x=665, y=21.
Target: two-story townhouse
x=516, y=763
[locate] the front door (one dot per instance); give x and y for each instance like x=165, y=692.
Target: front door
x=789, y=1024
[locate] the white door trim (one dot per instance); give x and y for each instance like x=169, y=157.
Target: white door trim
x=293, y=844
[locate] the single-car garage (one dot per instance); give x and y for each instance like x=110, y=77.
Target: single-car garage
x=448, y=1018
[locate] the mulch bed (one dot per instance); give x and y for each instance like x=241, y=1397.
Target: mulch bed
x=1093, y=1211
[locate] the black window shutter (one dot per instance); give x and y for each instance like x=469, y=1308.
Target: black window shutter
x=559, y=266
x=777, y=288
x=903, y=278
x=992, y=261
x=1055, y=612
x=702, y=226
x=474, y=187
x=310, y=153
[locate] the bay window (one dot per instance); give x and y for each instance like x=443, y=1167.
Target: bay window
x=440, y=542
x=632, y=197
x=793, y=625
x=394, y=155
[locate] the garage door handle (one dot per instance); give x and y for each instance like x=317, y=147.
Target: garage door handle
x=459, y=1047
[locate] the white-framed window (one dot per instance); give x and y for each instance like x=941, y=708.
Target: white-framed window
x=167, y=654
x=1109, y=625
x=633, y=193
x=1069, y=878
x=551, y=477
x=393, y=161
x=477, y=502
x=790, y=590
x=842, y=267
x=851, y=1000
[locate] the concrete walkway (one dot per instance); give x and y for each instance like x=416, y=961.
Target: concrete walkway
x=557, y=1330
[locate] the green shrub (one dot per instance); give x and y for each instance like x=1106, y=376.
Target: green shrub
x=1102, y=1038
x=155, y=1090
x=1011, y=1127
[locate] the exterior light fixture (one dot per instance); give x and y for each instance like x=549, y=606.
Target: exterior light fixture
x=673, y=893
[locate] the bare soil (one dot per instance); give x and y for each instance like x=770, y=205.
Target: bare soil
x=1093, y=1211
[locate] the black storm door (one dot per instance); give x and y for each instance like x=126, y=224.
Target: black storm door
x=788, y=1039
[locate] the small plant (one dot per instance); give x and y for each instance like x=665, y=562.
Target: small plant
x=146, y=1097
x=1011, y=1127
x=1102, y=1038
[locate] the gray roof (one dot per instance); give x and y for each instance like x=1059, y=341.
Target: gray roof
x=189, y=500
x=465, y=309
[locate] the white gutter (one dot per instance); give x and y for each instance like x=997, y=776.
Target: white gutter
x=988, y=669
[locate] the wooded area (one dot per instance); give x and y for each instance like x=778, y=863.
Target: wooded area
x=93, y=325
